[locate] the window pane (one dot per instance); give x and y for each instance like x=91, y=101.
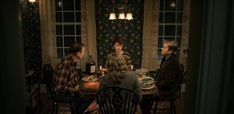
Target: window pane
x=78, y=17
x=178, y=40
x=67, y=51
x=160, y=42
x=159, y=54
x=170, y=5
x=78, y=30
x=160, y=31
x=77, y=5
x=68, y=41
x=179, y=5
x=179, y=17
x=68, y=16
x=179, y=30
x=58, y=5
x=161, y=17
x=59, y=41
x=69, y=30
x=68, y=5
x=169, y=38
x=78, y=39
x=170, y=30
x=59, y=17
x=170, y=17
x=60, y=52
x=161, y=5
x=59, y=29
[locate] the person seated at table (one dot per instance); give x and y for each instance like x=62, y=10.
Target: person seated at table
x=167, y=79
x=119, y=75
x=66, y=77
x=118, y=45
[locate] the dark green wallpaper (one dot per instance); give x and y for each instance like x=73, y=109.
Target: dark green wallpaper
x=130, y=30
x=31, y=37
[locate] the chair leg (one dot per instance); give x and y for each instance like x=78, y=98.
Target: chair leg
x=53, y=108
x=31, y=105
x=171, y=107
x=155, y=107
x=56, y=108
x=72, y=108
x=174, y=108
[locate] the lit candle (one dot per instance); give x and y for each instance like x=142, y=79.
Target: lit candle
x=131, y=67
x=100, y=67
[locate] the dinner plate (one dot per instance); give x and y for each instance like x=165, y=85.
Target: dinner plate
x=90, y=79
x=151, y=87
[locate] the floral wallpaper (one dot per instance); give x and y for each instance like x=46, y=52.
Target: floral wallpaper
x=130, y=30
x=31, y=37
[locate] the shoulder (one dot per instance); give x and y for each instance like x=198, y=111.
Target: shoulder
x=105, y=79
x=110, y=55
x=131, y=75
x=126, y=53
x=67, y=60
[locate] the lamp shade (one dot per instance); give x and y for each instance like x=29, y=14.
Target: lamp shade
x=32, y=0
x=129, y=16
x=121, y=16
x=112, y=16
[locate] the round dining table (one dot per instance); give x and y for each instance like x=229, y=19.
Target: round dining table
x=146, y=93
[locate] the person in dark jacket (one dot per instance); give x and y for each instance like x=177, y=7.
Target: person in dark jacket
x=167, y=79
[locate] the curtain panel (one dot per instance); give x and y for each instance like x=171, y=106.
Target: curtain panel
x=48, y=32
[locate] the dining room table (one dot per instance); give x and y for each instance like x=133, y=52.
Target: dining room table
x=146, y=103
x=91, y=92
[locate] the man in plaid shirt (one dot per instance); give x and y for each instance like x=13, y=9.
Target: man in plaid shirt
x=66, y=76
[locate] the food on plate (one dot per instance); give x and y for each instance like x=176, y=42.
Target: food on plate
x=142, y=71
x=91, y=78
x=147, y=82
x=92, y=85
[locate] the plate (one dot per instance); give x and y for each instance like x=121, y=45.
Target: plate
x=151, y=87
x=142, y=71
x=91, y=78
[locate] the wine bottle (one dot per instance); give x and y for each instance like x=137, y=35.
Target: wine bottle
x=90, y=66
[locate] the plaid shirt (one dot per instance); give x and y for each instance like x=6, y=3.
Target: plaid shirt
x=65, y=76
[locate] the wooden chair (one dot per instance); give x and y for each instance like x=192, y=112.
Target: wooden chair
x=171, y=98
x=117, y=100
x=48, y=73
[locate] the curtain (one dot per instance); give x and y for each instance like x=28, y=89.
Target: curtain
x=88, y=29
x=185, y=33
x=150, y=35
x=48, y=31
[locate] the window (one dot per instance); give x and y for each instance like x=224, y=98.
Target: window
x=170, y=22
x=68, y=25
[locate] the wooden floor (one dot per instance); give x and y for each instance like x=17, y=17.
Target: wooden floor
x=46, y=106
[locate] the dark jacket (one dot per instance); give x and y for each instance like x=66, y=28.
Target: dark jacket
x=130, y=81
x=167, y=79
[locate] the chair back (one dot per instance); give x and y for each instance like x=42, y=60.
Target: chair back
x=48, y=73
x=181, y=79
x=117, y=100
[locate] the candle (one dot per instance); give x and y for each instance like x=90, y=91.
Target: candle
x=131, y=67
x=100, y=67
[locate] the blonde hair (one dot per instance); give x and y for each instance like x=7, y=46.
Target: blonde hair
x=172, y=45
x=117, y=67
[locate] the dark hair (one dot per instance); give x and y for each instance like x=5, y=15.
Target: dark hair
x=77, y=47
x=118, y=40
